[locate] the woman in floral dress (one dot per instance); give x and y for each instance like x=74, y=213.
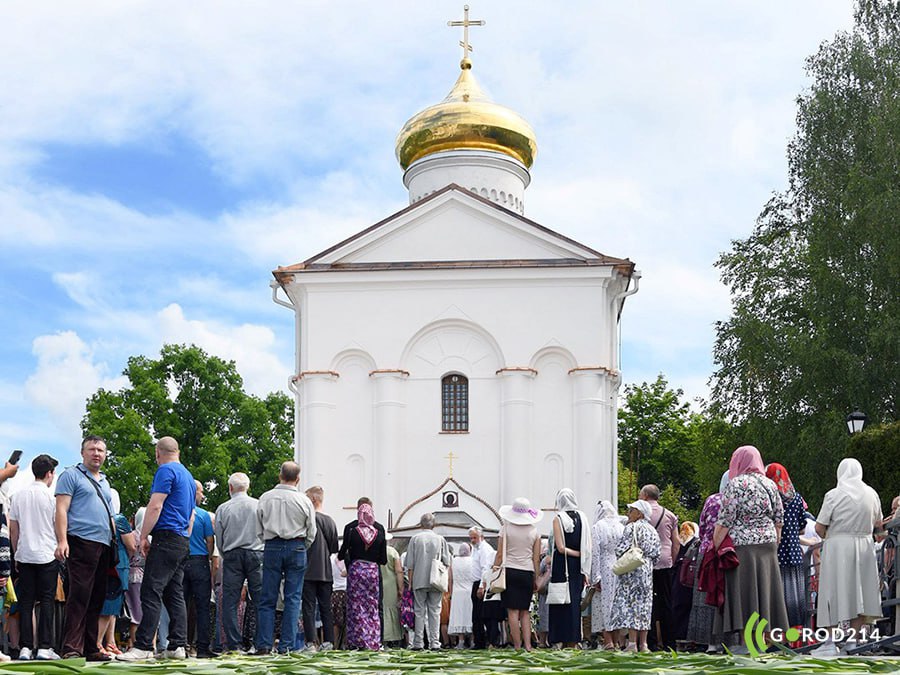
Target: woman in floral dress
x=364, y=549
x=606, y=533
x=633, y=601
x=752, y=515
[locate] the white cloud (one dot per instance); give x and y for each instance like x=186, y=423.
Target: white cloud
x=249, y=346
x=65, y=377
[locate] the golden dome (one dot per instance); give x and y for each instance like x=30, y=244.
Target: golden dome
x=466, y=119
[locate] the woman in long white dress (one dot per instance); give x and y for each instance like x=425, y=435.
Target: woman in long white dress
x=848, y=581
x=606, y=533
x=461, y=596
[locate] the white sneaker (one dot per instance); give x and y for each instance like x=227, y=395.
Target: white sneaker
x=309, y=649
x=848, y=645
x=177, y=654
x=135, y=654
x=25, y=654
x=46, y=655
x=5, y=657
x=825, y=649
x=326, y=647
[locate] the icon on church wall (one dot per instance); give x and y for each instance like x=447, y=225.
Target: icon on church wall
x=450, y=499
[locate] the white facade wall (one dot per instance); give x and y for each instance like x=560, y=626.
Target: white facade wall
x=374, y=345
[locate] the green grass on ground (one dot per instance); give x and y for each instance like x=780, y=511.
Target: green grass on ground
x=472, y=663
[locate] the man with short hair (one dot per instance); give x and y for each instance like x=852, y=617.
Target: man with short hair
x=168, y=518
x=318, y=580
x=33, y=538
x=287, y=522
x=197, y=571
x=424, y=549
x=84, y=542
x=485, y=631
x=241, y=550
x=666, y=524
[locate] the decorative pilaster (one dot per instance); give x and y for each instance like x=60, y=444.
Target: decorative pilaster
x=315, y=389
x=593, y=459
x=516, y=405
x=390, y=417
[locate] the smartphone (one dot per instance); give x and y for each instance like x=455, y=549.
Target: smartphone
x=15, y=457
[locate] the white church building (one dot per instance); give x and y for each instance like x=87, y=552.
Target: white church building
x=456, y=355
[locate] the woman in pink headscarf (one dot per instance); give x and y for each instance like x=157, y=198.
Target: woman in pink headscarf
x=364, y=549
x=752, y=515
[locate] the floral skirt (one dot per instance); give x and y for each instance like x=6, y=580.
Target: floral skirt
x=363, y=605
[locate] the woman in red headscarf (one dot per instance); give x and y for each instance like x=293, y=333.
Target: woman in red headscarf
x=790, y=555
x=752, y=514
x=364, y=549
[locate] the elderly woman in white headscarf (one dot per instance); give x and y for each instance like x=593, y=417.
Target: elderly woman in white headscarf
x=570, y=547
x=633, y=601
x=848, y=581
x=462, y=575
x=605, y=535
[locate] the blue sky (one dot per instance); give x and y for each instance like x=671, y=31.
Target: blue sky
x=158, y=160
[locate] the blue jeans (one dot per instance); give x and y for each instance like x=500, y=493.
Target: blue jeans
x=283, y=559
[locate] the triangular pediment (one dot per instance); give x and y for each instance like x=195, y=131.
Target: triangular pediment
x=454, y=226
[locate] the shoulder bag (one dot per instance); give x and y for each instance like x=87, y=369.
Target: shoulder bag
x=558, y=591
x=632, y=558
x=113, y=582
x=438, y=577
x=498, y=576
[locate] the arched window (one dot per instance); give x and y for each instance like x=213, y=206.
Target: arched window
x=454, y=403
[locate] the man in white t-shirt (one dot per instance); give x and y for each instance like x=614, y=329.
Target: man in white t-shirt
x=31, y=531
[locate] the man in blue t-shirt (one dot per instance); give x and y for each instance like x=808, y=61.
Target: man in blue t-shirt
x=169, y=517
x=197, y=571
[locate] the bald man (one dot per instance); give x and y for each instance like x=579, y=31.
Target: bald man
x=169, y=518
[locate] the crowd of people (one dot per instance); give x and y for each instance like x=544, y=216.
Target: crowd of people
x=272, y=575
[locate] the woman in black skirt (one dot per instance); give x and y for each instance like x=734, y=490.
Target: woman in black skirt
x=519, y=553
x=571, y=551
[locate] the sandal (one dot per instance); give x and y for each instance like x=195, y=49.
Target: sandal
x=112, y=650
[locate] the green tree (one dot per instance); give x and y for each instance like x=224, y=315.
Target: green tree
x=815, y=325
x=654, y=440
x=199, y=400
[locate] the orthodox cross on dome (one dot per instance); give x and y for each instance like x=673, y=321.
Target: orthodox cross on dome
x=464, y=43
x=451, y=457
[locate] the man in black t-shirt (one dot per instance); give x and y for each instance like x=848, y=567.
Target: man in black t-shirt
x=318, y=579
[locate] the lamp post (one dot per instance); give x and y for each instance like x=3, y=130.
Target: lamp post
x=856, y=421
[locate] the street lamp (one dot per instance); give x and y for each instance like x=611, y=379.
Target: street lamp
x=856, y=421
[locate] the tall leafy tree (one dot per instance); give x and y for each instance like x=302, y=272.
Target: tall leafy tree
x=653, y=437
x=199, y=400
x=815, y=325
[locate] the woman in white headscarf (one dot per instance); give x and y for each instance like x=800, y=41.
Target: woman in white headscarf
x=570, y=548
x=848, y=581
x=633, y=602
x=605, y=535
x=463, y=575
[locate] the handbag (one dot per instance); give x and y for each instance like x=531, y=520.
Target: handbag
x=558, y=591
x=498, y=576
x=632, y=558
x=438, y=577
x=688, y=566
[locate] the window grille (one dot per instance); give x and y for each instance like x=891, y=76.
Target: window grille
x=454, y=403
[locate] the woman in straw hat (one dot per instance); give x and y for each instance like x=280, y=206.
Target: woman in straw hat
x=519, y=551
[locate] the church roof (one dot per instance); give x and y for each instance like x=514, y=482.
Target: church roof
x=589, y=257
